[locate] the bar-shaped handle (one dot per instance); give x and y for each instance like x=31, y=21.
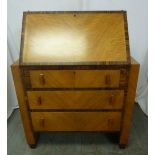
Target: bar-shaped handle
x=107, y=80
x=42, y=79
x=110, y=122
x=42, y=122
x=111, y=99
x=39, y=100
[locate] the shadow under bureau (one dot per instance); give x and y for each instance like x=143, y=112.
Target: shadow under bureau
x=75, y=73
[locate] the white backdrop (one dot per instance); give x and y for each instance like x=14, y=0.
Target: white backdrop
x=137, y=11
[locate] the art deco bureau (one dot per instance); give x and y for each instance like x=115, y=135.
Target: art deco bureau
x=75, y=73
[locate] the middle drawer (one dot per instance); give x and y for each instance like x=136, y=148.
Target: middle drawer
x=75, y=99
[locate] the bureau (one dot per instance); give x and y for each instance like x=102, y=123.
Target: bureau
x=75, y=73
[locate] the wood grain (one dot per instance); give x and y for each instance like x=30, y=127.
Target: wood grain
x=74, y=78
x=74, y=37
x=25, y=115
x=76, y=121
x=130, y=100
x=93, y=99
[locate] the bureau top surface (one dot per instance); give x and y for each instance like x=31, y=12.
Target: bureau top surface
x=74, y=38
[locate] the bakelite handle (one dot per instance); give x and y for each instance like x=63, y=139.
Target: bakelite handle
x=42, y=122
x=110, y=123
x=39, y=100
x=42, y=79
x=107, y=80
x=111, y=99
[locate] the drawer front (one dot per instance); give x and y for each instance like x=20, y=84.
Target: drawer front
x=94, y=99
x=74, y=78
x=76, y=121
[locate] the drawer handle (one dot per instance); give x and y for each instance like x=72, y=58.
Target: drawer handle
x=42, y=122
x=107, y=80
x=42, y=79
x=110, y=123
x=111, y=99
x=39, y=100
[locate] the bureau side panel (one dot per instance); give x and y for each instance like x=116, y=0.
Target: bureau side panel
x=30, y=136
x=129, y=104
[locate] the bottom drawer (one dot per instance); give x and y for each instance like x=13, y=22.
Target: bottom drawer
x=76, y=121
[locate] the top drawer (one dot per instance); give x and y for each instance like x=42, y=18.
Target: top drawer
x=74, y=78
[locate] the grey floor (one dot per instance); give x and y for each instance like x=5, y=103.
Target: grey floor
x=79, y=143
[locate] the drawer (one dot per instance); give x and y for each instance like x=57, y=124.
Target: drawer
x=74, y=78
x=85, y=99
x=76, y=121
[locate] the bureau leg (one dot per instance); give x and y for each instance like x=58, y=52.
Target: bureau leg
x=32, y=146
x=31, y=137
x=129, y=104
x=122, y=146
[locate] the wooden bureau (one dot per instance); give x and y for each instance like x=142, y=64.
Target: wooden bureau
x=75, y=73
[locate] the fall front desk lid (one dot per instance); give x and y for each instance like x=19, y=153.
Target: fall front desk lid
x=50, y=38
